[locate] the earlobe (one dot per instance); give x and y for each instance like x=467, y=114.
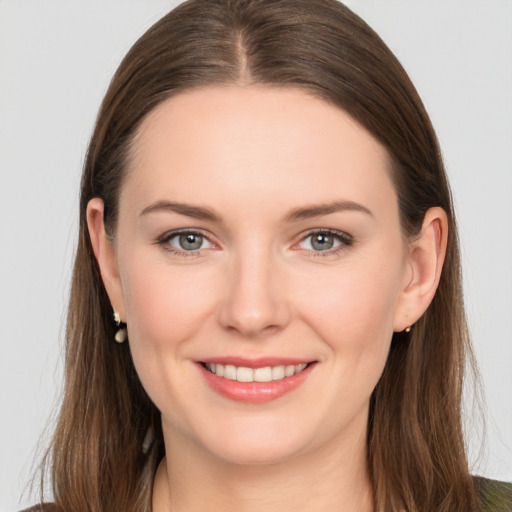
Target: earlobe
x=425, y=259
x=105, y=255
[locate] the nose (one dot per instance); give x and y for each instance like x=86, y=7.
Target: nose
x=255, y=299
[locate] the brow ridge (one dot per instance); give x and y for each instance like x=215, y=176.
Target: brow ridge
x=196, y=212
x=319, y=210
x=301, y=213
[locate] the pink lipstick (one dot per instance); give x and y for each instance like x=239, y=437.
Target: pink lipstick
x=255, y=381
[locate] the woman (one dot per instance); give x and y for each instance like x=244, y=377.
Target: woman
x=267, y=232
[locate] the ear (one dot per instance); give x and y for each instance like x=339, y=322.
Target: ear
x=425, y=260
x=104, y=252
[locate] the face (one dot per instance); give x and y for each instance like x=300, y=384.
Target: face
x=259, y=238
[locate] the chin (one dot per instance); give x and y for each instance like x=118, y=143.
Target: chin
x=255, y=454
x=256, y=442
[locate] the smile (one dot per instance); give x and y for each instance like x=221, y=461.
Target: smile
x=263, y=374
x=255, y=381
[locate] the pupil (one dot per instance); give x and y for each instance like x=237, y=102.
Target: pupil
x=322, y=242
x=190, y=241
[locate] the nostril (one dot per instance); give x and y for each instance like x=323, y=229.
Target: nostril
x=254, y=303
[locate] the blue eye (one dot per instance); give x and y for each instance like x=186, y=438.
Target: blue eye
x=324, y=241
x=188, y=241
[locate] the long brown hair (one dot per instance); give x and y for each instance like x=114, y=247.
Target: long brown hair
x=108, y=440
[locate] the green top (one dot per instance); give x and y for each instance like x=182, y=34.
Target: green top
x=494, y=496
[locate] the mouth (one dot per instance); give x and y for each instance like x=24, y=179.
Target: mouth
x=255, y=382
x=261, y=374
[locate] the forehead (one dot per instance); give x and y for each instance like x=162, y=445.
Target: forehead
x=256, y=142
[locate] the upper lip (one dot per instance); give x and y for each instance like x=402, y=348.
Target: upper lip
x=259, y=362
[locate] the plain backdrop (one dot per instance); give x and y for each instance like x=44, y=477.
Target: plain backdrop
x=56, y=59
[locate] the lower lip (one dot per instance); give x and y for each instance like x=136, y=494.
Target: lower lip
x=255, y=392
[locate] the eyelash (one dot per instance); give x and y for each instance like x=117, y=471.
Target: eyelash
x=164, y=243
x=344, y=239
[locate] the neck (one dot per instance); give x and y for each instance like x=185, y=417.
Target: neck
x=190, y=480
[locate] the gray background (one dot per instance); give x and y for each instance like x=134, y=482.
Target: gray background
x=56, y=59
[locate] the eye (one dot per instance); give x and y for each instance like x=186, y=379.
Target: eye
x=325, y=241
x=189, y=241
x=186, y=241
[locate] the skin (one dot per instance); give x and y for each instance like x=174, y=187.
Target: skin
x=258, y=287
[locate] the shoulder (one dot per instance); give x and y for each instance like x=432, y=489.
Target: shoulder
x=494, y=496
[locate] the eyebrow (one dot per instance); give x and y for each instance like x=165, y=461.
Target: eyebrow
x=307, y=212
x=196, y=212
x=318, y=210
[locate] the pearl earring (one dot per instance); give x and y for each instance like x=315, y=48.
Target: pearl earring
x=407, y=329
x=121, y=333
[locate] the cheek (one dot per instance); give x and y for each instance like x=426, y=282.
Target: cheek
x=164, y=303
x=353, y=309
x=166, y=307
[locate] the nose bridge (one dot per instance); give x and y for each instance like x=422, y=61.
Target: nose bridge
x=255, y=301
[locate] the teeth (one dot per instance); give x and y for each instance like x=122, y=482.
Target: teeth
x=244, y=374
x=264, y=374
x=278, y=372
x=289, y=370
x=229, y=371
